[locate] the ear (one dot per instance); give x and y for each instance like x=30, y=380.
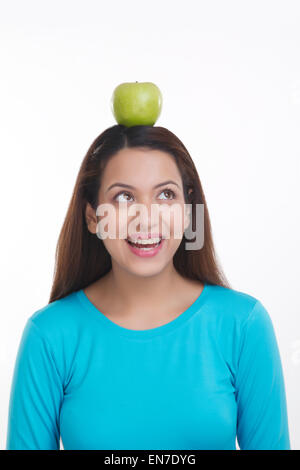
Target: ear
x=91, y=219
x=190, y=191
x=187, y=212
x=187, y=216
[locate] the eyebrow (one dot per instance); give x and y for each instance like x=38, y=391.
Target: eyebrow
x=123, y=185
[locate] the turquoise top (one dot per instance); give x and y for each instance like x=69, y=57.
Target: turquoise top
x=211, y=375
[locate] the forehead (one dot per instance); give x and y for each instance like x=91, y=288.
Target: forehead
x=140, y=168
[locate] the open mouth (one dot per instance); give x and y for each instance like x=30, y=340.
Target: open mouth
x=144, y=246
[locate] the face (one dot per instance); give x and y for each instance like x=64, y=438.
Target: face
x=136, y=179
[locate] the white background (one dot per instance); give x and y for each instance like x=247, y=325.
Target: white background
x=229, y=73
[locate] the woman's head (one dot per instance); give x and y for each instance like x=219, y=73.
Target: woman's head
x=133, y=182
x=125, y=168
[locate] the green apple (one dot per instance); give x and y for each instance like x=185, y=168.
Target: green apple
x=136, y=103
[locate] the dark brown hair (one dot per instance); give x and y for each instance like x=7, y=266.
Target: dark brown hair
x=81, y=257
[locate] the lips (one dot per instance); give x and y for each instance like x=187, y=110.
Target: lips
x=139, y=240
x=145, y=250
x=139, y=244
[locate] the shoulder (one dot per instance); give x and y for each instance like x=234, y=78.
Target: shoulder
x=53, y=334
x=234, y=306
x=60, y=318
x=239, y=324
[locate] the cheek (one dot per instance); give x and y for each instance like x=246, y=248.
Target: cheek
x=118, y=250
x=112, y=224
x=174, y=221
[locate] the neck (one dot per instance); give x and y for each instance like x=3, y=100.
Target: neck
x=134, y=293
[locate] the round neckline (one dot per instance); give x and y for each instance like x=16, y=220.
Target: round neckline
x=150, y=332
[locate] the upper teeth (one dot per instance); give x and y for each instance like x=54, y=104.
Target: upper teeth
x=146, y=241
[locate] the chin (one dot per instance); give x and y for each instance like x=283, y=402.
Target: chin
x=144, y=272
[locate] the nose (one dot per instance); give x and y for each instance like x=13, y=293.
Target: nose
x=148, y=219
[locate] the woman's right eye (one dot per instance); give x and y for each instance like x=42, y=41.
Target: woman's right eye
x=120, y=194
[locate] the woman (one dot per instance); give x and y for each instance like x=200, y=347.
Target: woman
x=144, y=349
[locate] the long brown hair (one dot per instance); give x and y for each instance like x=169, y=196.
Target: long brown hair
x=81, y=257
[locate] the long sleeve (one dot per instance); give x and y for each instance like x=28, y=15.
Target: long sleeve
x=262, y=421
x=36, y=395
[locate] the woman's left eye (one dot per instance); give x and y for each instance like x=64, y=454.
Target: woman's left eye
x=116, y=198
x=169, y=191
